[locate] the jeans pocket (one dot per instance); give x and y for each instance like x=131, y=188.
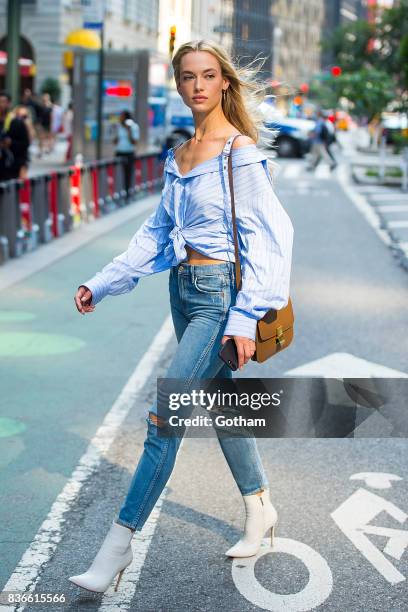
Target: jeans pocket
x=209, y=283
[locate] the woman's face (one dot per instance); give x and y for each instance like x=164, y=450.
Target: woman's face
x=201, y=81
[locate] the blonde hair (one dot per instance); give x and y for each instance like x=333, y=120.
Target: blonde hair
x=244, y=94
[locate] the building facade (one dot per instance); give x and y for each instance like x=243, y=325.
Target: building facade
x=45, y=24
x=252, y=34
x=338, y=13
x=296, y=41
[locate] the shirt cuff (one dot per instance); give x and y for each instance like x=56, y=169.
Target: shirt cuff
x=98, y=288
x=240, y=324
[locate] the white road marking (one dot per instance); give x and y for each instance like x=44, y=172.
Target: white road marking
x=353, y=517
x=19, y=268
x=392, y=208
x=361, y=204
x=345, y=365
x=397, y=223
x=389, y=196
x=322, y=172
x=292, y=170
x=29, y=569
x=316, y=591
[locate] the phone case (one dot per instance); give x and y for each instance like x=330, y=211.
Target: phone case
x=229, y=354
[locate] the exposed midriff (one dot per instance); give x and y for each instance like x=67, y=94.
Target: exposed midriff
x=194, y=257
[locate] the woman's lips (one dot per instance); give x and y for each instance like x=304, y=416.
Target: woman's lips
x=200, y=99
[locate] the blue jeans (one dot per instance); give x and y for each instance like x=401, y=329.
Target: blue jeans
x=200, y=297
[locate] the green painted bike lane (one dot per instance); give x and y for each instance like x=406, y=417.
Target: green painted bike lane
x=60, y=373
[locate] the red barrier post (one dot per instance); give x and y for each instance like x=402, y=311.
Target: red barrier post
x=95, y=190
x=53, y=200
x=25, y=205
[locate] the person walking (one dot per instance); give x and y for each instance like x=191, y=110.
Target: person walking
x=319, y=137
x=190, y=233
x=14, y=140
x=126, y=138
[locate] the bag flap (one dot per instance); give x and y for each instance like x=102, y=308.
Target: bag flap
x=274, y=318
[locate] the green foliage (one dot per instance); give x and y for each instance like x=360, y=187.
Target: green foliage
x=374, y=60
x=350, y=45
x=369, y=90
x=52, y=87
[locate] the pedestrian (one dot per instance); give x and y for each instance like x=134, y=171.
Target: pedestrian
x=44, y=125
x=187, y=235
x=56, y=127
x=22, y=112
x=14, y=140
x=329, y=138
x=318, y=141
x=125, y=140
x=68, y=129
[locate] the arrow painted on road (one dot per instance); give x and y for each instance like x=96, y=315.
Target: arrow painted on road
x=345, y=365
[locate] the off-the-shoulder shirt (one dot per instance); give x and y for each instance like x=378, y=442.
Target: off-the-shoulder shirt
x=195, y=209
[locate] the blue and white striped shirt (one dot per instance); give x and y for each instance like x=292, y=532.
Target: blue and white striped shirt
x=195, y=209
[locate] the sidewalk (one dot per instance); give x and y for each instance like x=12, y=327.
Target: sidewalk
x=48, y=162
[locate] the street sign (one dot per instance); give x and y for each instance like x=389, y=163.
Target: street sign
x=93, y=25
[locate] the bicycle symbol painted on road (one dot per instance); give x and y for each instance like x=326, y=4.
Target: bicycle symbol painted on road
x=354, y=518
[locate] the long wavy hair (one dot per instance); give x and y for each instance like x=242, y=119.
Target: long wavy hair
x=244, y=94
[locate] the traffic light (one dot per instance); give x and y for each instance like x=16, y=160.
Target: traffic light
x=336, y=71
x=172, y=39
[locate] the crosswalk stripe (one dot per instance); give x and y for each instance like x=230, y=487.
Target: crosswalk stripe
x=389, y=196
x=391, y=208
x=292, y=170
x=322, y=172
x=397, y=224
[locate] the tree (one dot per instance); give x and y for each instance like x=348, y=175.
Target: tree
x=52, y=87
x=350, y=45
x=369, y=90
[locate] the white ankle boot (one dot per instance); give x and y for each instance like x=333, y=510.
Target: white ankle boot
x=113, y=557
x=260, y=516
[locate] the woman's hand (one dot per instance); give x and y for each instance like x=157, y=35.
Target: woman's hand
x=245, y=347
x=83, y=299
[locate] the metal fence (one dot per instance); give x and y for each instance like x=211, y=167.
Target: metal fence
x=36, y=210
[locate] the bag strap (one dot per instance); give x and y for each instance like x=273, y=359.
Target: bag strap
x=234, y=224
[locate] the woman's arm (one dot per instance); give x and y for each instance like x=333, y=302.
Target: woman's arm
x=143, y=256
x=265, y=239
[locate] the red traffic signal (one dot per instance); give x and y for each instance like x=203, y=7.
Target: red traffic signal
x=336, y=71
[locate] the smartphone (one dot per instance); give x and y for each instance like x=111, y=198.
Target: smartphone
x=229, y=354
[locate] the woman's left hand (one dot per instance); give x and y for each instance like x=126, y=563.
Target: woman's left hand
x=245, y=347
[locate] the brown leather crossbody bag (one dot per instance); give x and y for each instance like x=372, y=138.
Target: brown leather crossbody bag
x=274, y=332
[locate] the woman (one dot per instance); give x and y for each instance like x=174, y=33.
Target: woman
x=127, y=136
x=191, y=233
x=23, y=160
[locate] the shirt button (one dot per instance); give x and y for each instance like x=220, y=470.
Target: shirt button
x=181, y=267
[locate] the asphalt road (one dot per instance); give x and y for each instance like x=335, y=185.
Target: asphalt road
x=62, y=374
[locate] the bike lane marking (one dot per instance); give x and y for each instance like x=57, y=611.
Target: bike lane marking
x=29, y=569
x=316, y=591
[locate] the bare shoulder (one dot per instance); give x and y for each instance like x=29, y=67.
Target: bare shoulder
x=242, y=141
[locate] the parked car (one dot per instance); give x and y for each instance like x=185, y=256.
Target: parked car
x=179, y=120
x=292, y=135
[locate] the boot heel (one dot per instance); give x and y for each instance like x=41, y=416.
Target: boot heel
x=119, y=578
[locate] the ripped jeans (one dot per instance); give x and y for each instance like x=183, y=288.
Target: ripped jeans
x=200, y=296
